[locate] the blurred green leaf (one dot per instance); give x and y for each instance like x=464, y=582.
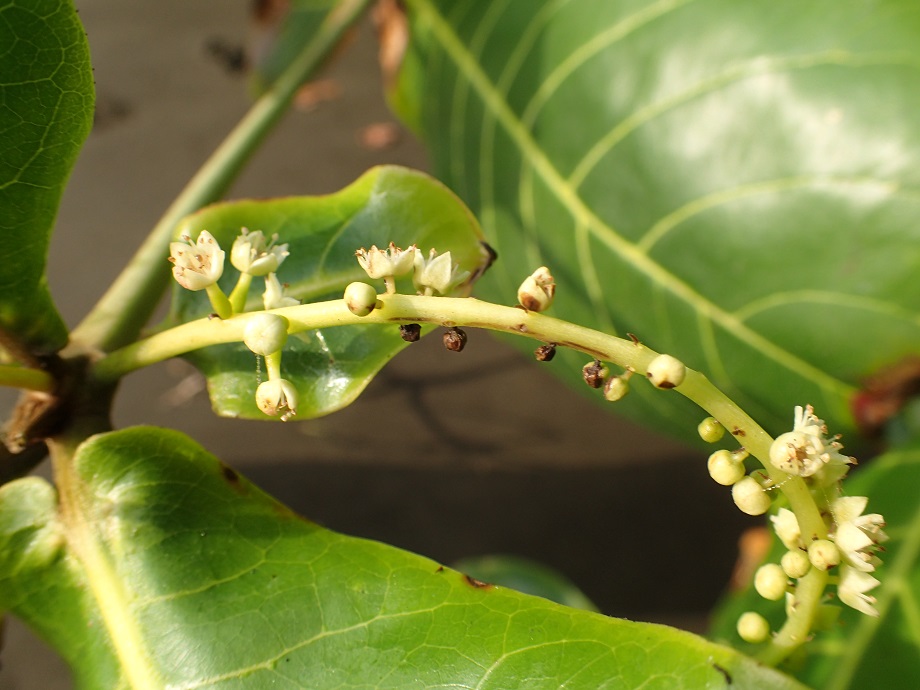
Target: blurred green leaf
x=734, y=182
x=161, y=567
x=332, y=367
x=281, y=35
x=46, y=112
x=861, y=651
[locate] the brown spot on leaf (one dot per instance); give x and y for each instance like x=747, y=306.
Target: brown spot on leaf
x=478, y=584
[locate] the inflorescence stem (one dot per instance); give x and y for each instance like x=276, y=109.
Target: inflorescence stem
x=467, y=312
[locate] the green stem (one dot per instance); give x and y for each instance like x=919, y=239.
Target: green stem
x=118, y=317
x=240, y=292
x=797, y=628
x=273, y=365
x=219, y=301
x=26, y=378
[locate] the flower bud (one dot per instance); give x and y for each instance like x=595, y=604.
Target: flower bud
x=410, y=332
x=545, y=353
x=749, y=496
x=823, y=554
x=277, y=396
x=725, y=468
x=787, y=529
x=710, y=430
x=274, y=297
x=265, y=333
x=666, y=371
x=795, y=564
x=752, y=627
x=437, y=273
x=360, y=298
x=537, y=291
x=616, y=388
x=770, y=582
x=594, y=373
x=454, y=339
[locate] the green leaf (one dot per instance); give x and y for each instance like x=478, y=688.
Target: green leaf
x=46, y=111
x=164, y=568
x=733, y=182
x=332, y=367
x=861, y=651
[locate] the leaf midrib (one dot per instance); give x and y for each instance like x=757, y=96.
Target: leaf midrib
x=493, y=102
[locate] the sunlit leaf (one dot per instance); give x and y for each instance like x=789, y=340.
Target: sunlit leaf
x=163, y=568
x=862, y=651
x=733, y=182
x=330, y=368
x=46, y=111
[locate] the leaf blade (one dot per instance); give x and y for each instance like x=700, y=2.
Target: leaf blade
x=225, y=588
x=680, y=163
x=330, y=369
x=46, y=91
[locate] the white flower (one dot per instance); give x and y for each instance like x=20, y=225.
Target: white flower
x=806, y=449
x=277, y=396
x=274, y=297
x=386, y=263
x=199, y=265
x=253, y=255
x=437, y=273
x=852, y=590
x=857, y=535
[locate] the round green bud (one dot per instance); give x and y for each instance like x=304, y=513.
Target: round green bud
x=752, y=627
x=823, y=554
x=615, y=388
x=749, y=496
x=265, y=333
x=666, y=371
x=795, y=564
x=724, y=468
x=710, y=430
x=360, y=298
x=771, y=582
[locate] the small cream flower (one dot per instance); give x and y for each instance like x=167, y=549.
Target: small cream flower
x=852, y=590
x=438, y=273
x=274, y=297
x=277, y=396
x=386, y=263
x=537, y=291
x=787, y=529
x=806, y=449
x=197, y=265
x=253, y=255
x=858, y=536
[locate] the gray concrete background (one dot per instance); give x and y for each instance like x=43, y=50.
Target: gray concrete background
x=491, y=472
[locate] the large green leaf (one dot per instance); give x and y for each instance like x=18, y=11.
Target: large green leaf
x=734, y=182
x=861, y=651
x=330, y=368
x=161, y=567
x=46, y=111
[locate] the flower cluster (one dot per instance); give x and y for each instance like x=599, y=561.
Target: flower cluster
x=436, y=274
x=199, y=265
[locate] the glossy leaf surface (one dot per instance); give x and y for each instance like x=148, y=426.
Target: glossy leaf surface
x=862, y=651
x=332, y=367
x=734, y=182
x=164, y=568
x=46, y=111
